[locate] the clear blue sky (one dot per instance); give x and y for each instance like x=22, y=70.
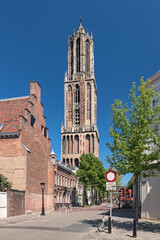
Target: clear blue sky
x=33, y=46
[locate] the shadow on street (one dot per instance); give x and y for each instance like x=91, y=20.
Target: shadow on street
x=93, y=223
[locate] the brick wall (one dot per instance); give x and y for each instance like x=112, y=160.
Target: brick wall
x=15, y=203
x=38, y=168
x=25, y=159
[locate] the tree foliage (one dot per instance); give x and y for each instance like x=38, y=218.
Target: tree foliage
x=4, y=183
x=130, y=183
x=136, y=142
x=92, y=173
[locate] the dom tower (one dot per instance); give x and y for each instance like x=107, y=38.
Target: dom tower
x=79, y=133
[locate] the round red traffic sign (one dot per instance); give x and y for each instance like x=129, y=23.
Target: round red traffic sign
x=110, y=176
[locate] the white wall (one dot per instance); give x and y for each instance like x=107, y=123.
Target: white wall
x=150, y=197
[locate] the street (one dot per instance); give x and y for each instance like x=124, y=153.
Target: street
x=73, y=225
x=79, y=224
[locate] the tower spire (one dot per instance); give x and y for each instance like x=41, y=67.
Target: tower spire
x=80, y=21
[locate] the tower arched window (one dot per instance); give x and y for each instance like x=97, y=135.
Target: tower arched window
x=71, y=45
x=71, y=161
x=67, y=161
x=87, y=143
x=87, y=56
x=71, y=144
x=76, y=162
x=78, y=55
x=76, y=144
x=92, y=143
x=68, y=145
x=88, y=101
x=64, y=145
x=77, y=105
x=70, y=104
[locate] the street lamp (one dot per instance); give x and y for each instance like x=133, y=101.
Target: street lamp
x=43, y=187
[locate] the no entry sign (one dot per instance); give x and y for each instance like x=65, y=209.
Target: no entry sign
x=110, y=176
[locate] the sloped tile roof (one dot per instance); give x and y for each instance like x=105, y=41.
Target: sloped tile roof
x=10, y=109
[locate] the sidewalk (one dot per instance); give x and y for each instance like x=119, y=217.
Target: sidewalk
x=123, y=228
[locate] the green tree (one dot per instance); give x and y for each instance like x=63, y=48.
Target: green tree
x=92, y=173
x=4, y=183
x=130, y=185
x=136, y=142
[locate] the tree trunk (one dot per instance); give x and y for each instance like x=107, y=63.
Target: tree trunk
x=136, y=206
x=136, y=197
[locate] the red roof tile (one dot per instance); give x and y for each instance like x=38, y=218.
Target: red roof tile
x=10, y=109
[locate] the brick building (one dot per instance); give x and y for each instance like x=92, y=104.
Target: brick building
x=25, y=148
x=79, y=133
x=68, y=191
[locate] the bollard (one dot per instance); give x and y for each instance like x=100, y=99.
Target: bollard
x=109, y=225
x=134, y=228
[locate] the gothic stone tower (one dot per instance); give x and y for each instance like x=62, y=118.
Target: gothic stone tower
x=79, y=133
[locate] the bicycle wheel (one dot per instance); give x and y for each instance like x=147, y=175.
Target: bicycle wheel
x=101, y=227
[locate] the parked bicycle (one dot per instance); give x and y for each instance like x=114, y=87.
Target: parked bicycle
x=103, y=224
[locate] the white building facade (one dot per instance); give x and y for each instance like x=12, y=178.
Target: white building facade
x=150, y=186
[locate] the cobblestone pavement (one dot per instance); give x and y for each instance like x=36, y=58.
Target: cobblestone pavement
x=123, y=228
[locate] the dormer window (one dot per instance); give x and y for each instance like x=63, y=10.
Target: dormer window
x=32, y=120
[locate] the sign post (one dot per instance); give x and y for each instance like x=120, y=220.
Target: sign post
x=110, y=185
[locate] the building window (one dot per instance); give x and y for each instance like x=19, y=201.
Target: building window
x=71, y=161
x=76, y=145
x=58, y=197
x=77, y=105
x=92, y=143
x=78, y=54
x=57, y=179
x=88, y=101
x=32, y=120
x=70, y=103
x=64, y=145
x=87, y=143
x=71, y=57
x=68, y=145
x=87, y=56
x=60, y=183
x=45, y=132
x=76, y=162
x=71, y=144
